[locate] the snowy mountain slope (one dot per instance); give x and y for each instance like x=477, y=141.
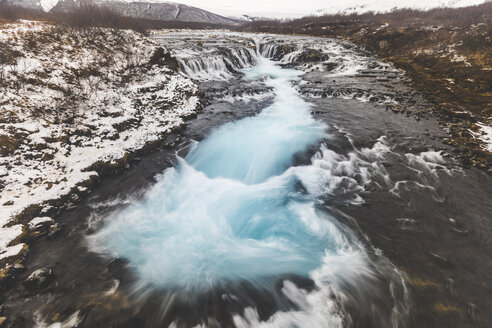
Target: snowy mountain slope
x=47, y=5
x=156, y=10
x=230, y=12
x=282, y=9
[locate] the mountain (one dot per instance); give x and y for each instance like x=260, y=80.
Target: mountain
x=32, y=4
x=232, y=13
x=165, y=11
x=382, y=6
x=45, y=5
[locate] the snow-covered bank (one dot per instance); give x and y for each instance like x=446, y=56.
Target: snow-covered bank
x=484, y=134
x=72, y=102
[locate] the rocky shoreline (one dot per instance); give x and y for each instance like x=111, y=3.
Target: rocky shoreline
x=452, y=68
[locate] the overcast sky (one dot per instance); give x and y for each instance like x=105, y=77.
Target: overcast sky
x=297, y=8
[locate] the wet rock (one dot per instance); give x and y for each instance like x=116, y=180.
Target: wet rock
x=312, y=55
x=450, y=285
x=117, y=268
x=40, y=223
x=18, y=322
x=472, y=312
x=407, y=224
x=443, y=261
x=446, y=155
x=116, y=265
x=383, y=44
x=8, y=275
x=395, y=108
x=330, y=66
x=54, y=231
x=39, y=280
x=38, y=227
x=457, y=226
x=161, y=57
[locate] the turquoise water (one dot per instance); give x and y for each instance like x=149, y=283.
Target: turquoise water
x=234, y=209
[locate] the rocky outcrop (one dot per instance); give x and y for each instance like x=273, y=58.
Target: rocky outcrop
x=39, y=280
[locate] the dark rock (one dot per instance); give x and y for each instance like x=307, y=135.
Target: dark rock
x=160, y=57
x=330, y=66
x=47, y=157
x=8, y=275
x=457, y=226
x=395, y=108
x=39, y=280
x=383, y=44
x=8, y=145
x=312, y=55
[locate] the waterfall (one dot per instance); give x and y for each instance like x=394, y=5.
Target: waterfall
x=237, y=213
x=221, y=66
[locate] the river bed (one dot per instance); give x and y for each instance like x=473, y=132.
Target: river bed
x=295, y=199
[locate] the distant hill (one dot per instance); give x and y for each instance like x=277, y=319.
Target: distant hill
x=165, y=11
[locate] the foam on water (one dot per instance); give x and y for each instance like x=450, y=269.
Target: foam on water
x=234, y=210
x=259, y=147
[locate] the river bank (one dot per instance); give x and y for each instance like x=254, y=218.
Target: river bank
x=445, y=52
x=76, y=104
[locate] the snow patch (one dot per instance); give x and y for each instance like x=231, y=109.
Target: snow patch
x=47, y=5
x=120, y=108
x=39, y=221
x=485, y=135
x=73, y=321
x=8, y=234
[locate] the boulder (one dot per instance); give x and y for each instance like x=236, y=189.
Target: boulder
x=39, y=280
x=312, y=55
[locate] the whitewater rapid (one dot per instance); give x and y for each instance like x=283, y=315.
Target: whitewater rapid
x=236, y=211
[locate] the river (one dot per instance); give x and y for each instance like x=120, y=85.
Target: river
x=295, y=199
